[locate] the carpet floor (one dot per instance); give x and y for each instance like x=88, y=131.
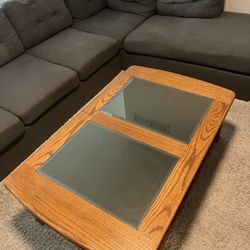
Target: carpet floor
x=214, y=215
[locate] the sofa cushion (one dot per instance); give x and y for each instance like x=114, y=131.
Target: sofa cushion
x=83, y=9
x=218, y=42
x=29, y=86
x=10, y=45
x=36, y=20
x=190, y=8
x=77, y=50
x=141, y=7
x=111, y=23
x=11, y=128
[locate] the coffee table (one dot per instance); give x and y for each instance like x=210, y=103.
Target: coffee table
x=114, y=176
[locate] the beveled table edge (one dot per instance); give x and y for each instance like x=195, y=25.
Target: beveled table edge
x=157, y=221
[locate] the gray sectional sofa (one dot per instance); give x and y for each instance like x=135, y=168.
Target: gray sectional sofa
x=55, y=55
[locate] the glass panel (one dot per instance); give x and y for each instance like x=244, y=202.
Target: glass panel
x=166, y=110
x=113, y=172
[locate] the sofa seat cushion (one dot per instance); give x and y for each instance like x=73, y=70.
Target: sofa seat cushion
x=29, y=86
x=36, y=20
x=80, y=51
x=11, y=128
x=221, y=42
x=140, y=7
x=111, y=23
x=10, y=45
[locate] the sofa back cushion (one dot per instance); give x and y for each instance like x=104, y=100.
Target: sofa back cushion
x=36, y=20
x=140, y=7
x=190, y=8
x=10, y=45
x=83, y=9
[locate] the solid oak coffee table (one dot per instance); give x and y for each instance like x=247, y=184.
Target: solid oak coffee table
x=114, y=176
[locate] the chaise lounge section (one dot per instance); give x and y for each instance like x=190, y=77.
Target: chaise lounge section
x=56, y=55
x=212, y=49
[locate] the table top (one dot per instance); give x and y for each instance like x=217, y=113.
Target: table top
x=115, y=174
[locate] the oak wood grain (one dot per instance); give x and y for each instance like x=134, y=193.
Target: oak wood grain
x=165, y=78
x=182, y=82
x=89, y=226
x=141, y=134
x=77, y=219
x=164, y=208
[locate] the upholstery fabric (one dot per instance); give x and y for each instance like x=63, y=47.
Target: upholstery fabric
x=83, y=9
x=111, y=23
x=10, y=45
x=218, y=42
x=11, y=128
x=29, y=86
x=36, y=20
x=80, y=51
x=141, y=7
x=190, y=8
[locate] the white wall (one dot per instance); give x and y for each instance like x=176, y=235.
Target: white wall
x=242, y=6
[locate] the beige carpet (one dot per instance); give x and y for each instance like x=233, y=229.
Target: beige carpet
x=214, y=215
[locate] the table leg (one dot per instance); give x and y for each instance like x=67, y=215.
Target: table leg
x=217, y=137
x=39, y=221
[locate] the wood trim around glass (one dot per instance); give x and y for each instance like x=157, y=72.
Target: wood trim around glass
x=89, y=226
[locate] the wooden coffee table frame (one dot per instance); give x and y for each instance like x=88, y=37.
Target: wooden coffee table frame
x=91, y=227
